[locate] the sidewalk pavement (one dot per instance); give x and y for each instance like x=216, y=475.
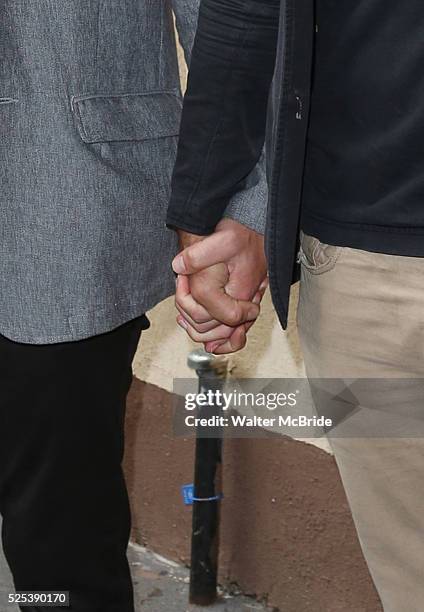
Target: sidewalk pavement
x=160, y=586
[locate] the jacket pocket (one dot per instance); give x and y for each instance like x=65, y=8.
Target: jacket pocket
x=317, y=257
x=127, y=117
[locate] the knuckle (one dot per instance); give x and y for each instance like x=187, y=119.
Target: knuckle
x=234, y=315
x=199, y=292
x=193, y=334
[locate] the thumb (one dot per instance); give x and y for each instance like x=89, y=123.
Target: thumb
x=212, y=250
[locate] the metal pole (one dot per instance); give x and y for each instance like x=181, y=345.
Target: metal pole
x=207, y=490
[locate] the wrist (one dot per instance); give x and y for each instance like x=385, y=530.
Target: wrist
x=186, y=239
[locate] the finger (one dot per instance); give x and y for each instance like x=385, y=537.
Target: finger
x=185, y=301
x=219, y=333
x=211, y=347
x=257, y=299
x=200, y=327
x=214, y=249
x=264, y=284
x=222, y=307
x=247, y=326
x=182, y=286
x=235, y=343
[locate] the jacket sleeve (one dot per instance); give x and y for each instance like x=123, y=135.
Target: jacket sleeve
x=220, y=166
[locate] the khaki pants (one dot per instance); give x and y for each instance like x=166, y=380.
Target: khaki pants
x=361, y=316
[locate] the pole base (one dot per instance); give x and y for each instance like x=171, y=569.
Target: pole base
x=203, y=600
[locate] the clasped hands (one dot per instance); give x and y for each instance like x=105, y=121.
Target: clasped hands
x=220, y=284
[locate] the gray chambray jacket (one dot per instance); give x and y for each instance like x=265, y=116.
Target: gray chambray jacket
x=90, y=107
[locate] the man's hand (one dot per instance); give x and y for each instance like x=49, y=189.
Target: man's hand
x=221, y=282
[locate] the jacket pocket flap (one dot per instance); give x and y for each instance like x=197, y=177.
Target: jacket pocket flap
x=127, y=116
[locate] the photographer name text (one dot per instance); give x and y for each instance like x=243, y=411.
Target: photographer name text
x=257, y=421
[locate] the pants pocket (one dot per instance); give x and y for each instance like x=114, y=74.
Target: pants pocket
x=316, y=256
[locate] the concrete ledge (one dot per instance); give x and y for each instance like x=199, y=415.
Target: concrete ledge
x=161, y=585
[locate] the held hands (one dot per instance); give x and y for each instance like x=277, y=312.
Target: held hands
x=221, y=281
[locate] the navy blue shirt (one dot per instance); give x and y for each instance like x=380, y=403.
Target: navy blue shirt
x=364, y=172
x=363, y=182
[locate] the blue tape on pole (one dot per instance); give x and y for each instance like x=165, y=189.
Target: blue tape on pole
x=188, y=493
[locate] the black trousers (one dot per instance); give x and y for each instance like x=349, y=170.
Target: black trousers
x=63, y=499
